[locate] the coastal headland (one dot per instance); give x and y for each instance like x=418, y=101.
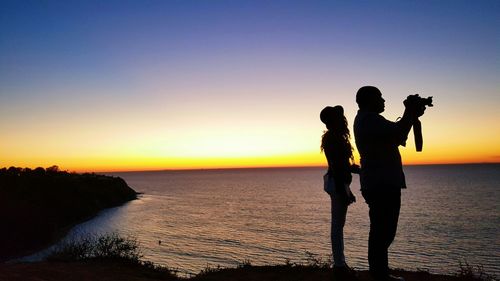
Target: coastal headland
x=38, y=206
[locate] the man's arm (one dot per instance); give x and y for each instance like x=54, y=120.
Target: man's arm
x=373, y=129
x=404, y=126
x=410, y=116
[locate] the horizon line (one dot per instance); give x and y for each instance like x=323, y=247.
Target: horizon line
x=284, y=167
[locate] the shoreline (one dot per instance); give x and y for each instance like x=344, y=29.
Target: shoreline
x=60, y=235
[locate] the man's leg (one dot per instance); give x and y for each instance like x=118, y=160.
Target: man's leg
x=377, y=253
x=375, y=246
x=393, y=204
x=384, y=214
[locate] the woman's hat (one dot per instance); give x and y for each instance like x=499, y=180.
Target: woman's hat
x=331, y=113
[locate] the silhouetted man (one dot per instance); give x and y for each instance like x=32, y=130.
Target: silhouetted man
x=382, y=178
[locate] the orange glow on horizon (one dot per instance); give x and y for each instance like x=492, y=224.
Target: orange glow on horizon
x=206, y=141
x=97, y=164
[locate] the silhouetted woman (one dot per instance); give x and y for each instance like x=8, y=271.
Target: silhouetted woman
x=336, y=145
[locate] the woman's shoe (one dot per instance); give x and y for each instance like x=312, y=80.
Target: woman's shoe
x=344, y=273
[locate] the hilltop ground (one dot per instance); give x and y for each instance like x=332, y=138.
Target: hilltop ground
x=109, y=270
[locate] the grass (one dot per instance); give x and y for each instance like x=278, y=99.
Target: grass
x=473, y=273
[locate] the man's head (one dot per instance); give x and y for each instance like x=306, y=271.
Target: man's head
x=369, y=98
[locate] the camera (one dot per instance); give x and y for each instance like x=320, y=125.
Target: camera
x=418, y=101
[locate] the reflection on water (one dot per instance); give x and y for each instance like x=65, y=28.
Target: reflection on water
x=222, y=217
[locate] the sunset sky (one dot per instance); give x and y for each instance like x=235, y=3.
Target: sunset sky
x=140, y=85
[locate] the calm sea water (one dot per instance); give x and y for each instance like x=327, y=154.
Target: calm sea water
x=206, y=218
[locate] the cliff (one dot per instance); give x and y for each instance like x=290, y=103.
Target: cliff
x=38, y=206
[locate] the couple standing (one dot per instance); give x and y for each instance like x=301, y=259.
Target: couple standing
x=381, y=174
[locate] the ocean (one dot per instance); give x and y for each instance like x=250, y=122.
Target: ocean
x=210, y=218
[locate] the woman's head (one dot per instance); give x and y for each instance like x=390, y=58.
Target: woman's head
x=334, y=118
x=337, y=132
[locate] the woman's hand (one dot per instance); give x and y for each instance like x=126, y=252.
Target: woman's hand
x=355, y=169
x=351, y=198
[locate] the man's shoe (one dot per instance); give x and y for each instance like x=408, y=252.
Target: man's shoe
x=394, y=278
x=386, y=278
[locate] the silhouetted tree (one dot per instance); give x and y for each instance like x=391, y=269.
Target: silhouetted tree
x=52, y=169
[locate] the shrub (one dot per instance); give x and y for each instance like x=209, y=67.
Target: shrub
x=108, y=246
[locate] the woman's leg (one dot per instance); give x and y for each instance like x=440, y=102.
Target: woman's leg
x=339, y=211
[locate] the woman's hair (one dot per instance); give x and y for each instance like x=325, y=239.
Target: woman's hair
x=337, y=131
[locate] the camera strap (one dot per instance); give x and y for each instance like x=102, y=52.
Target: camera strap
x=417, y=133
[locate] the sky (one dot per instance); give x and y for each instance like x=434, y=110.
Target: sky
x=150, y=85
